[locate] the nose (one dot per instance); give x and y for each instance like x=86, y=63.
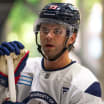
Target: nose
x=50, y=35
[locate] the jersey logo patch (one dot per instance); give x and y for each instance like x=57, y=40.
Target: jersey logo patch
x=65, y=89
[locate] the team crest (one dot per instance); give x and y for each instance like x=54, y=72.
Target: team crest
x=39, y=98
x=53, y=7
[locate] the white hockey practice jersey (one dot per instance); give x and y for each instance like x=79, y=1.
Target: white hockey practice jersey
x=72, y=84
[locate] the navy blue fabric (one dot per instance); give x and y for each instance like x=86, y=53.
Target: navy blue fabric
x=5, y=49
x=21, y=66
x=9, y=102
x=3, y=81
x=94, y=89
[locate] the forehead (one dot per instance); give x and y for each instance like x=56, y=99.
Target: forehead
x=52, y=25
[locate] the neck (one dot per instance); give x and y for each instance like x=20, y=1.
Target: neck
x=62, y=61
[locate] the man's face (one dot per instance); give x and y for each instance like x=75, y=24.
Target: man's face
x=52, y=39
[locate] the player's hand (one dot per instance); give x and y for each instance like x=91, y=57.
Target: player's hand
x=19, y=55
x=9, y=102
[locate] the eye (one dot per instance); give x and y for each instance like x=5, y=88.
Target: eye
x=44, y=30
x=57, y=31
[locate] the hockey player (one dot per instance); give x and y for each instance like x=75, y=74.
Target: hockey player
x=55, y=78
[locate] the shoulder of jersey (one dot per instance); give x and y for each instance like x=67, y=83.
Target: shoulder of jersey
x=82, y=77
x=32, y=64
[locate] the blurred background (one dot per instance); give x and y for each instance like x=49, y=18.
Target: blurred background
x=17, y=18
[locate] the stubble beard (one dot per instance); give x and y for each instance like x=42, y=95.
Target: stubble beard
x=51, y=54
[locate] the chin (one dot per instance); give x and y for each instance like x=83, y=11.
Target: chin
x=50, y=57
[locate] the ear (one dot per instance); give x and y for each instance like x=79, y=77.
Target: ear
x=71, y=39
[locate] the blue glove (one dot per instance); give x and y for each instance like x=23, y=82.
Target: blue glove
x=16, y=50
x=7, y=47
x=9, y=102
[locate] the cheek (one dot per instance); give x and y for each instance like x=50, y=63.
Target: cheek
x=61, y=40
x=41, y=39
x=60, y=43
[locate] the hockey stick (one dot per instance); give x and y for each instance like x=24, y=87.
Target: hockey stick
x=11, y=79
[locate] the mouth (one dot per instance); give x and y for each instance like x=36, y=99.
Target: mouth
x=49, y=45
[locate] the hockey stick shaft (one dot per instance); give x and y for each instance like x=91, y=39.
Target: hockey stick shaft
x=11, y=78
